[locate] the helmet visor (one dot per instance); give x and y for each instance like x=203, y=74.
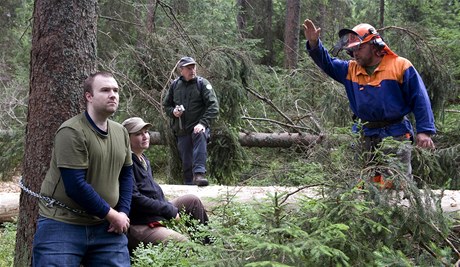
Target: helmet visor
x=350, y=41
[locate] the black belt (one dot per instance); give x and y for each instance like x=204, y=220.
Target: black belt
x=379, y=124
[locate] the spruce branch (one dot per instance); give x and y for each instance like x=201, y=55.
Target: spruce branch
x=288, y=195
x=446, y=239
x=169, y=12
x=271, y=104
x=119, y=20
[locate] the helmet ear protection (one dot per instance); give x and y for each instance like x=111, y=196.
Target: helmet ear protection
x=376, y=41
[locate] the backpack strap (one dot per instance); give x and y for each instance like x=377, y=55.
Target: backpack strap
x=200, y=85
x=174, y=83
x=199, y=81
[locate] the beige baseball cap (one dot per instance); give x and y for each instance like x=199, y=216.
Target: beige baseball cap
x=135, y=124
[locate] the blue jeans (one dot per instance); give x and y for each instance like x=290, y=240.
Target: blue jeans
x=193, y=153
x=63, y=244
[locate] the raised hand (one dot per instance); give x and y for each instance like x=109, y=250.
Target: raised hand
x=311, y=32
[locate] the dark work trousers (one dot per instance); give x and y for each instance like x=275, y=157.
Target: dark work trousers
x=188, y=204
x=193, y=153
x=401, y=149
x=192, y=205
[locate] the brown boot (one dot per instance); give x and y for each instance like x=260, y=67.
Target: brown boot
x=199, y=180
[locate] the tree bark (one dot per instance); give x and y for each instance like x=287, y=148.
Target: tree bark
x=258, y=15
x=151, y=9
x=381, y=15
x=63, y=54
x=291, y=34
x=241, y=17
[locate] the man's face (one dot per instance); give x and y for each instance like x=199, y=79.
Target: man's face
x=188, y=72
x=365, y=55
x=104, y=98
x=140, y=140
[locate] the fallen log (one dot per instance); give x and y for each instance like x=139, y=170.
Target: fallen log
x=278, y=139
x=214, y=195
x=251, y=139
x=9, y=206
x=284, y=140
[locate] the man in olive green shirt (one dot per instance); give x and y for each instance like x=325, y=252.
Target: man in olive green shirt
x=91, y=174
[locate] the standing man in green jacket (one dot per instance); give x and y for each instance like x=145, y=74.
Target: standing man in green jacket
x=191, y=103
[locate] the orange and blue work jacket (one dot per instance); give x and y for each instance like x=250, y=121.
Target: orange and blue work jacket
x=394, y=90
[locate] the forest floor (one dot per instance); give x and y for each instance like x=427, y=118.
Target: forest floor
x=450, y=199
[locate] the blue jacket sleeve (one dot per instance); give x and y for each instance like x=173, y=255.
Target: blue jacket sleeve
x=126, y=189
x=336, y=68
x=419, y=101
x=82, y=193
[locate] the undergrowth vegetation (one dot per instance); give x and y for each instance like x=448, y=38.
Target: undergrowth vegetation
x=8, y=237
x=353, y=227
x=350, y=221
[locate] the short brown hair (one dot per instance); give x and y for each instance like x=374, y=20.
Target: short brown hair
x=88, y=84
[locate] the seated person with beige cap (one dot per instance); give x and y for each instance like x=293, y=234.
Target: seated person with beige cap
x=149, y=206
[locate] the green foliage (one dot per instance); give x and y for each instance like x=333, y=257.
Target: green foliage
x=288, y=171
x=11, y=147
x=226, y=157
x=175, y=253
x=15, y=32
x=440, y=168
x=171, y=254
x=8, y=237
x=14, y=63
x=146, y=67
x=345, y=227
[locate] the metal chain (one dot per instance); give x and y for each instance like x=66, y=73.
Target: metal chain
x=49, y=202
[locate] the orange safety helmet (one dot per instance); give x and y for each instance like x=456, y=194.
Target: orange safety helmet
x=360, y=34
x=350, y=40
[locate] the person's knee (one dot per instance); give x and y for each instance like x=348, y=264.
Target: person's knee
x=176, y=237
x=192, y=199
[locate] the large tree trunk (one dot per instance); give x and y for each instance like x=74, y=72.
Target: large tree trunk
x=291, y=34
x=257, y=14
x=63, y=54
x=151, y=9
x=381, y=14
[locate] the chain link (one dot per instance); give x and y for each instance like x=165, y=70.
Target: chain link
x=49, y=202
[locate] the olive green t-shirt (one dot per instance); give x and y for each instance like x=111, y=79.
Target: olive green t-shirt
x=77, y=145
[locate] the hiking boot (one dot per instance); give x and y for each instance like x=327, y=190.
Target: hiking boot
x=199, y=179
